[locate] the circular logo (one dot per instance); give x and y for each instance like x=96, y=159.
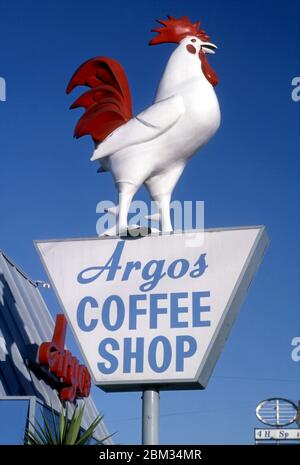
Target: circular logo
x=276, y=412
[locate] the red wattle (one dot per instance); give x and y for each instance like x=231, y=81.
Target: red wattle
x=207, y=69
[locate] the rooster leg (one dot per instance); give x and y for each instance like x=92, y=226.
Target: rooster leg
x=163, y=206
x=160, y=188
x=126, y=192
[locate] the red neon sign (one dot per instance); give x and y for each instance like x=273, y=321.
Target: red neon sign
x=75, y=378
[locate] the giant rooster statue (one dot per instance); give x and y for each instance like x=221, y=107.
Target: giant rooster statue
x=153, y=147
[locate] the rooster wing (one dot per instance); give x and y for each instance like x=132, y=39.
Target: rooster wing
x=146, y=126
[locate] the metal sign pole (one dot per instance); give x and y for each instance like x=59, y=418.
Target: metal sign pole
x=150, y=421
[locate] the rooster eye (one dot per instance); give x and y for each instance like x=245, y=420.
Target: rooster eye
x=193, y=40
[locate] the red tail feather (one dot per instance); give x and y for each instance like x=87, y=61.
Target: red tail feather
x=107, y=103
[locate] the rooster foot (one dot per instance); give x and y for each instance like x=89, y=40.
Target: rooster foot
x=134, y=231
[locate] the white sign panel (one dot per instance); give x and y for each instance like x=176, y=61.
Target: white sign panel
x=157, y=309
x=278, y=434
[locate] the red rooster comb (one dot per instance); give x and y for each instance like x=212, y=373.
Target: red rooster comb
x=174, y=30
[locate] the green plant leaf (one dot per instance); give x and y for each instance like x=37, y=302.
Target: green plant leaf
x=32, y=439
x=48, y=431
x=63, y=422
x=37, y=433
x=56, y=434
x=74, y=425
x=84, y=438
x=68, y=431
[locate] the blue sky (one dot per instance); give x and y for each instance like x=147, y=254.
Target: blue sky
x=248, y=174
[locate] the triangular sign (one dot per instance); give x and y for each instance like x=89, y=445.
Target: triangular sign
x=157, y=309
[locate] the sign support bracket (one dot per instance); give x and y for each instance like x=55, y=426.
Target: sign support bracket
x=150, y=416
